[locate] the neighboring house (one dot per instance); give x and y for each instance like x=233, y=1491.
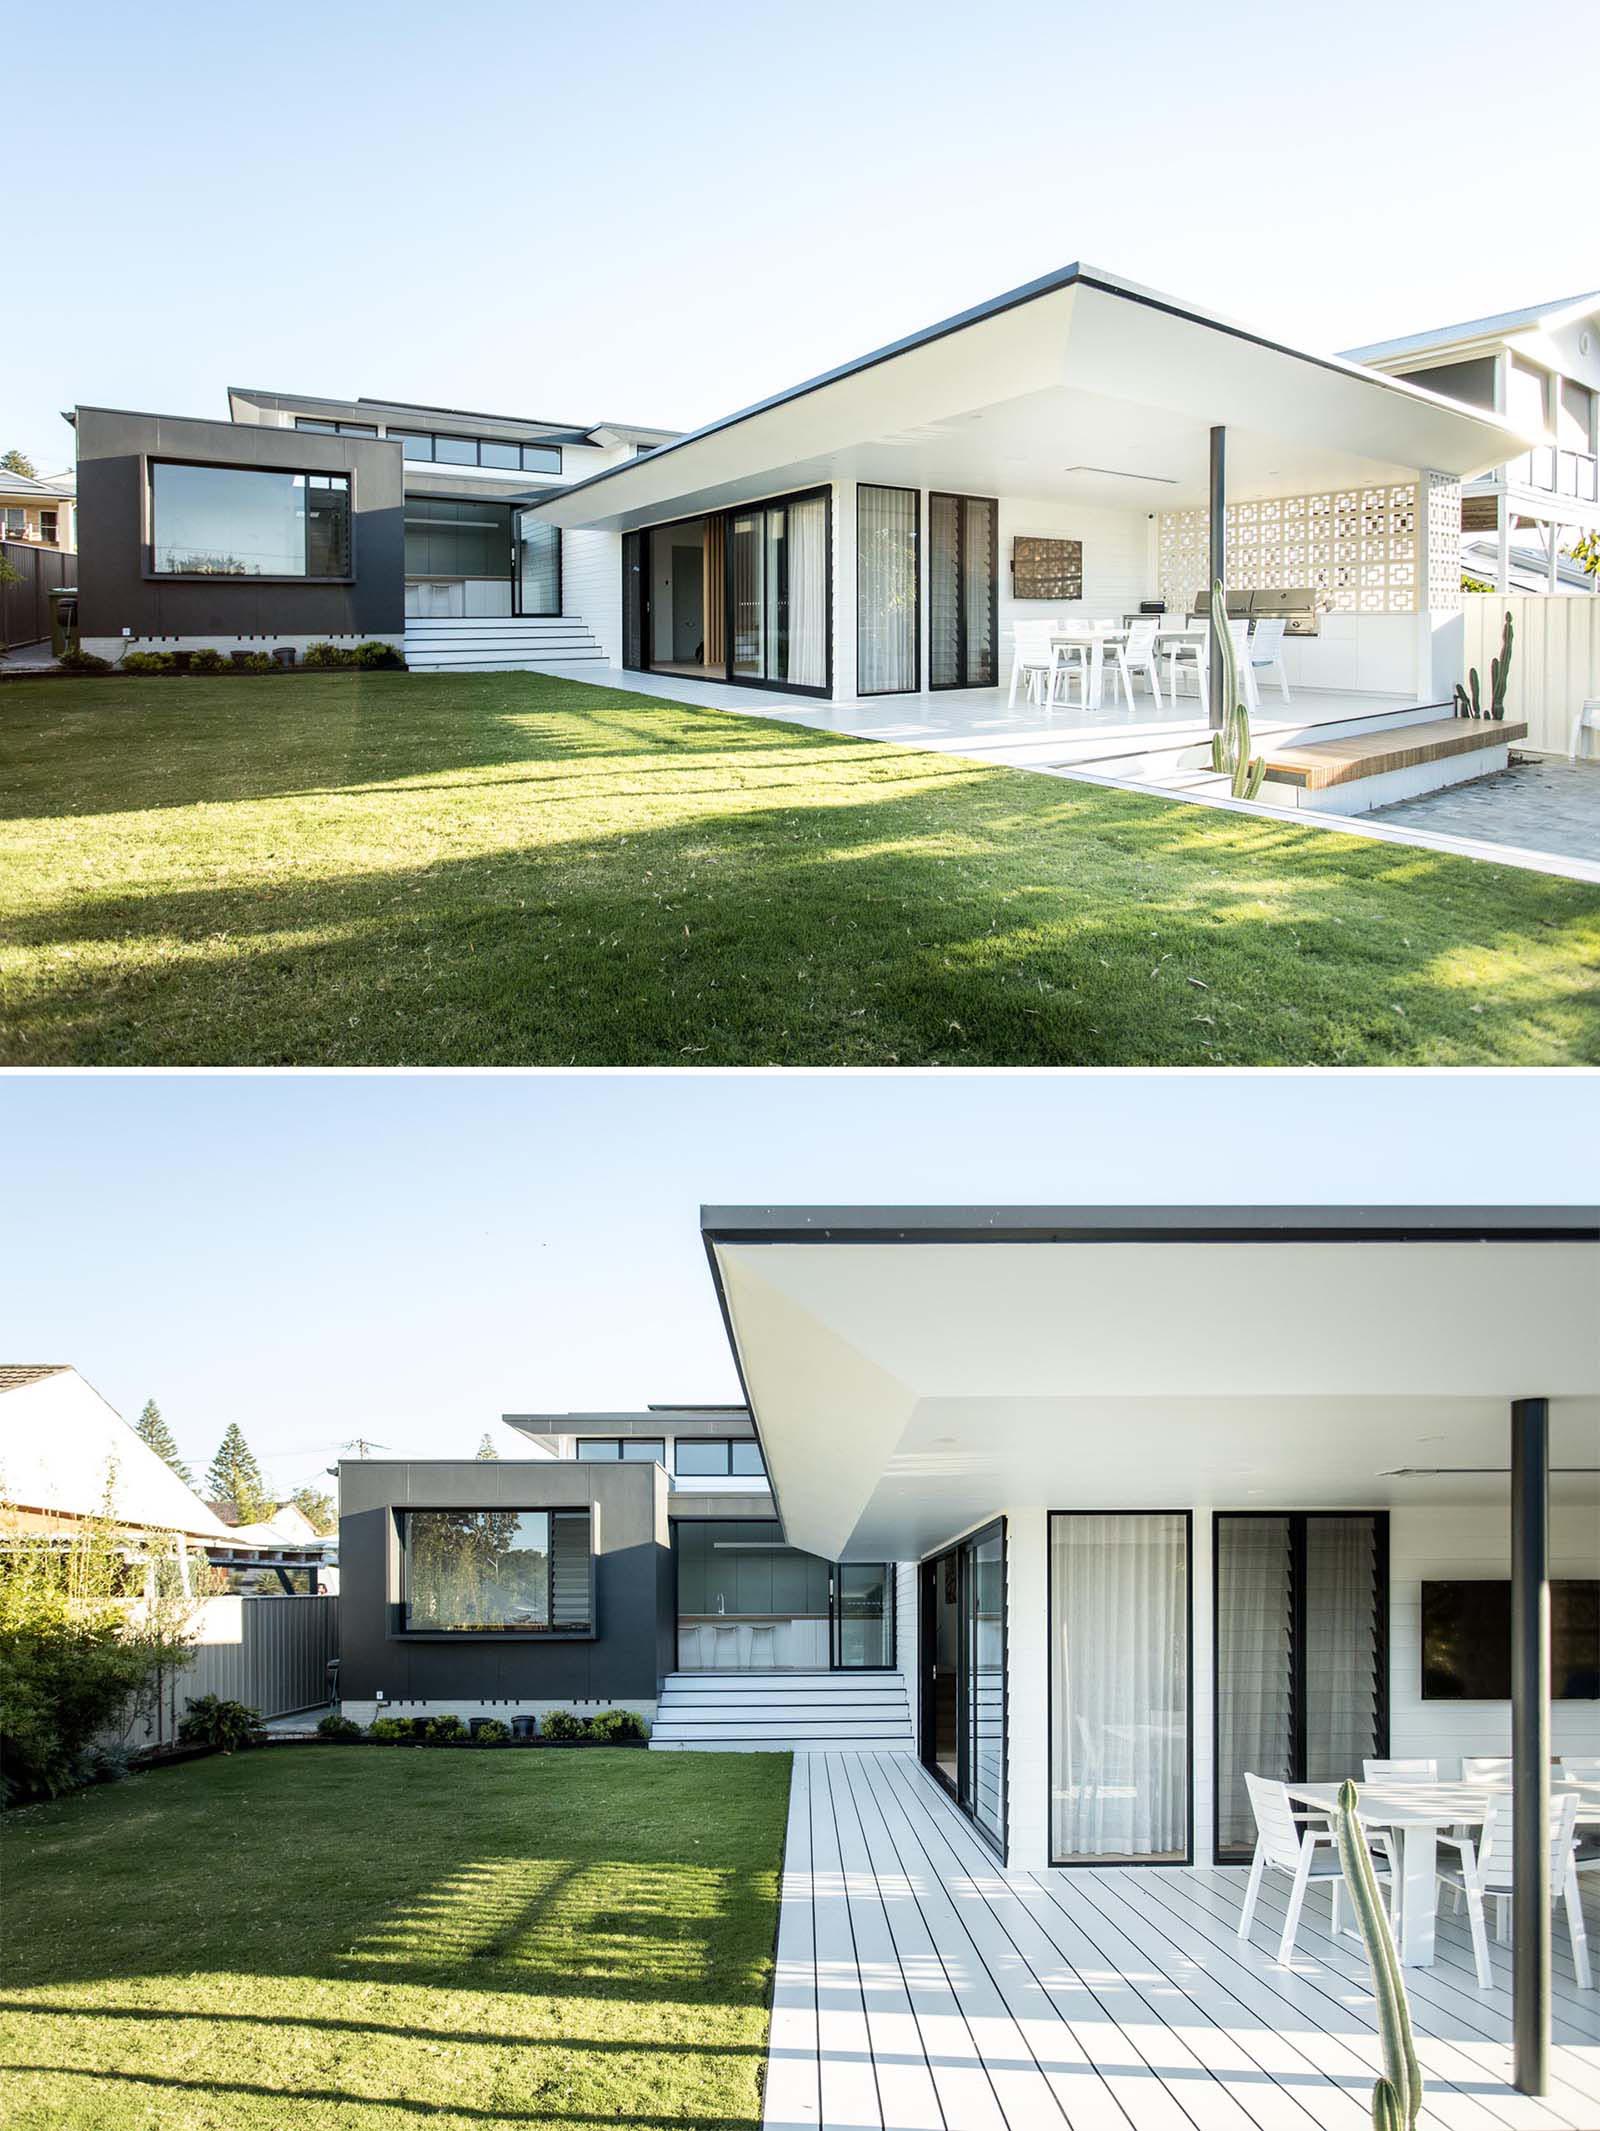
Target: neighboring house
x=38, y=511
x=66, y=1455
x=301, y=518
x=1089, y=1508
x=876, y=530
x=1541, y=369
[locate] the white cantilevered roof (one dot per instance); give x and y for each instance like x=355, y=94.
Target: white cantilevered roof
x=911, y=1371
x=1079, y=385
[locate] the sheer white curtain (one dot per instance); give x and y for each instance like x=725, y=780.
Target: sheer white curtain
x=1341, y=1646
x=886, y=589
x=1119, y=1635
x=808, y=593
x=1254, y=1630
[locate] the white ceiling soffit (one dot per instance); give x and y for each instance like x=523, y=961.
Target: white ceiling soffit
x=1078, y=376
x=905, y=1389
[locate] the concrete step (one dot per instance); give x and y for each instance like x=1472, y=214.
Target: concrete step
x=771, y=1712
x=502, y=643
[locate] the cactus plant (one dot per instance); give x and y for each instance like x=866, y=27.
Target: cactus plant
x=1397, y=2096
x=1463, y=707
x=1230, y=748
x=1500, y=672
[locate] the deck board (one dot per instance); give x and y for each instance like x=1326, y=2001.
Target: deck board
x=922, y=1987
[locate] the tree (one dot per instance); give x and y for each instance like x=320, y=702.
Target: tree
x=18, y=462
x=235, y=1478
x=316, y=1507
x=152, y=1429
x=486, y=1448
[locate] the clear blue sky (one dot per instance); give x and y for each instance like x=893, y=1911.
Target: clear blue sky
x=658, y=213
x=406, y=1257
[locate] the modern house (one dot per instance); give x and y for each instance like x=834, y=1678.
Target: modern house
x=1092, y=1512
x=874, y=531
x=38, y=510
x=301, y=518
x=1540, y=367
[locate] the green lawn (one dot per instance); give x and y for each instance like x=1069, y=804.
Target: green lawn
x=509, y=869
x=352, y=1940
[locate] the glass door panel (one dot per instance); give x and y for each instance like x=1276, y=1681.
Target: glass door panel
x=747, y=534
x=863, y=1615
x=1119, y=1687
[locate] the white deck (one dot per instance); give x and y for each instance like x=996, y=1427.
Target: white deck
x=977, y=723
x=921, y=1988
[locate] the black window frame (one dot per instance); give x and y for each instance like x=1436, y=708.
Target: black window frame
x=1297, y=1520
x=433, y=438
x=400, y=1628
x=894, y=489
x=615, y=1442
x=963, y=1550
x=724, y=1443
x=316, y=425
x=1119, y=1863
x=963, y=618
x=154, y=461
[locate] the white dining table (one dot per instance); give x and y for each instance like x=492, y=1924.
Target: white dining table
x=1418, y=1812
x=1098, y=639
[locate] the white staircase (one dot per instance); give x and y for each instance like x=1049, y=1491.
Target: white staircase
x=503, y=643
x=772, y=1712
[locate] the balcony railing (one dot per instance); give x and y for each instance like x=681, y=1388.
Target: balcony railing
x=1558, y=472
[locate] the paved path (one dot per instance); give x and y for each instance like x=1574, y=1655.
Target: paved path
x=1539, y=806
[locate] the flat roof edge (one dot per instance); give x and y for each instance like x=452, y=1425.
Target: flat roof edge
x=1080, y=1224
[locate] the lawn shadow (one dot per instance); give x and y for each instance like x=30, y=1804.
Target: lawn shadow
x=963, y=916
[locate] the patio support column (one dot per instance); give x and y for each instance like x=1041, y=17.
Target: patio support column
x=1217, y=571
x=1530, y=1742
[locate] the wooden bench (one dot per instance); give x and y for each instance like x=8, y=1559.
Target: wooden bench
x=1320, y=773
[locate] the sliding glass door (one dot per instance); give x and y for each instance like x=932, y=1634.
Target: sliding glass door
x=963, y=1691
x=888, y=616
x=963, y=591
x=1119, y=1688
x=1302, y=1673
x=747, y=594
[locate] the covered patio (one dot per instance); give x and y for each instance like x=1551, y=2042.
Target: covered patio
x=1231, y=1469
x=921, y=1987
x=1074, y=451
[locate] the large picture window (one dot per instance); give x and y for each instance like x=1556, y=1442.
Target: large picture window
x=1119, y=1688
x=243, y=521
x=488, y=1571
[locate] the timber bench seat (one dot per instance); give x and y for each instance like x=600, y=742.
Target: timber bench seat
x=1366, y=770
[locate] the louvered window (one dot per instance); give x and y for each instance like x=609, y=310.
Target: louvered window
x=1302, y=1687
x=496, y=1571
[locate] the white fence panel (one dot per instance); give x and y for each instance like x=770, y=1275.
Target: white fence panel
x=1555, y=658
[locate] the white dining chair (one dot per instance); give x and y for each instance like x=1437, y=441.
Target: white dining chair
x=1033, y=661
x=1303, y=1852
x=1266, y=654
x=1587, y=721
x=1584, y=1768
x=1190, y=655
x=1138, y=654
x=1485, y=1871
x=1486, y=1768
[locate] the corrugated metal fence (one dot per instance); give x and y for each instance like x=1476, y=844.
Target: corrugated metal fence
x=271, y=1653
x=25, y=606
x=1555, y=657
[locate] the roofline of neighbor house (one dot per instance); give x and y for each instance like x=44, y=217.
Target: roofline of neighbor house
x=1470, y=329
x=548, y=431
x=1078, y=273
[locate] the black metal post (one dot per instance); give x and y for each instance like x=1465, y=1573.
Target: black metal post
x=1530, y=1743
x=1217, y=568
